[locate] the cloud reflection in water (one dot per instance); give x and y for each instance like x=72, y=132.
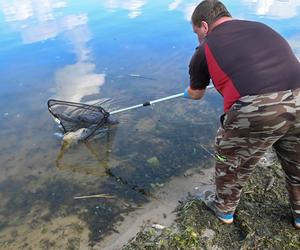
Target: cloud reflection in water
x=133, y=6
x=277, y=9
x=187, y=7
x=73, y=82
x=36, y=21
x=42, y=10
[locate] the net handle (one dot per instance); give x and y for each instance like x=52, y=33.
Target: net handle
x=149, y=103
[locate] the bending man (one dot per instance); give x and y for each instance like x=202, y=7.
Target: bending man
x=256, y=72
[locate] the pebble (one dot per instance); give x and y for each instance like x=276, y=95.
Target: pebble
x=158, y=226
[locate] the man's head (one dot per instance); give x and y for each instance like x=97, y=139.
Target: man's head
x=206, y=14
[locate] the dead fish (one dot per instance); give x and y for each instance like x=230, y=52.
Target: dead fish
x=81, y=135
x=112, y=120
x=92, y=118
x=89, y=119
x=76, y=136
x=95, y=118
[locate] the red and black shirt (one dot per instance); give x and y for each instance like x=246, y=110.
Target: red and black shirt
x=244, y=58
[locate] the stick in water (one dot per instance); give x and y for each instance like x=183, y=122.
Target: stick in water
x=95, y=196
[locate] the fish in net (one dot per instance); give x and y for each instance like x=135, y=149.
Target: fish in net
x=80, y=120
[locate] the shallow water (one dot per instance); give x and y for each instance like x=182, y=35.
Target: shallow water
x=80, y=51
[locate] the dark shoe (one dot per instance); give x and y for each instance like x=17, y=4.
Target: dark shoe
x=208, y=197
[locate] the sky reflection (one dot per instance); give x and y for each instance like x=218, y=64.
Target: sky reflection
x=38, y=21
x=134, y=7
x=41, y=10
x=277, y=9
x=184, y=6
x=75, y=81
x=295, y=43
x=46, y=20
x=75, y=34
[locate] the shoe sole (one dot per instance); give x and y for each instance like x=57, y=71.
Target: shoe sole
x=227, y=222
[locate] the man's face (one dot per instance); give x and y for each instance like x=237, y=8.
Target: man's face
x=201, y=32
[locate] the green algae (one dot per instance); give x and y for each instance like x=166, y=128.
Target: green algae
x=262, y=221
x=153, y=161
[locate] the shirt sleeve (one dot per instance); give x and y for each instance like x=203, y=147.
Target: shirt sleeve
x=198, y=70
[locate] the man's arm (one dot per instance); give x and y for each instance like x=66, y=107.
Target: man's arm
x=199, y=75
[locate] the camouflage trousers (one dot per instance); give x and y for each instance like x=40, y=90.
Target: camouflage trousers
x=249, y=128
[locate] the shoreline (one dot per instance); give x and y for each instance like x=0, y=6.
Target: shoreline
x=159, y=211
x=263, y=220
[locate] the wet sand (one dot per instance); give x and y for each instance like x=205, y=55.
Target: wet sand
x=160, y=209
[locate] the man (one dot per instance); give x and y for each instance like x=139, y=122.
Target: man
x=258, y=75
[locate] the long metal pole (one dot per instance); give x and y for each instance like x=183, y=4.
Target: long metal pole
x=151, y=102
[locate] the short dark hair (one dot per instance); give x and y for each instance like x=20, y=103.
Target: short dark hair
x=209, y=11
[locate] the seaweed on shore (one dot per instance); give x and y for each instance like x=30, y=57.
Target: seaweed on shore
x=263, y=221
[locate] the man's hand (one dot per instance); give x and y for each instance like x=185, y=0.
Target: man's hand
x=195, y=94
x=186, y=93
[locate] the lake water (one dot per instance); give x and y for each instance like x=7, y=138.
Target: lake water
x=131, y=51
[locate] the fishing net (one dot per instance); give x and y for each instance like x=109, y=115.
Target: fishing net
x=87, y=119
x=72, y=116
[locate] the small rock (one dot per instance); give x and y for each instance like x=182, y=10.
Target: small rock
x=158, y=226
x=268, y=159
x=208, y=234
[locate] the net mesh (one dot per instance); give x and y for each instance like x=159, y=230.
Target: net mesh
x=72, y=116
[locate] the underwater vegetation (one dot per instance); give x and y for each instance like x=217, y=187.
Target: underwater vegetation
x=122, y=170
x=55, y=199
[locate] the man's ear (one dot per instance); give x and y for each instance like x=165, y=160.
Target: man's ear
x=204, y=25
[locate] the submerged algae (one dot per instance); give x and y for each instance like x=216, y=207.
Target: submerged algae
x=262, y=221
x=153, y=161
x=39, y=218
